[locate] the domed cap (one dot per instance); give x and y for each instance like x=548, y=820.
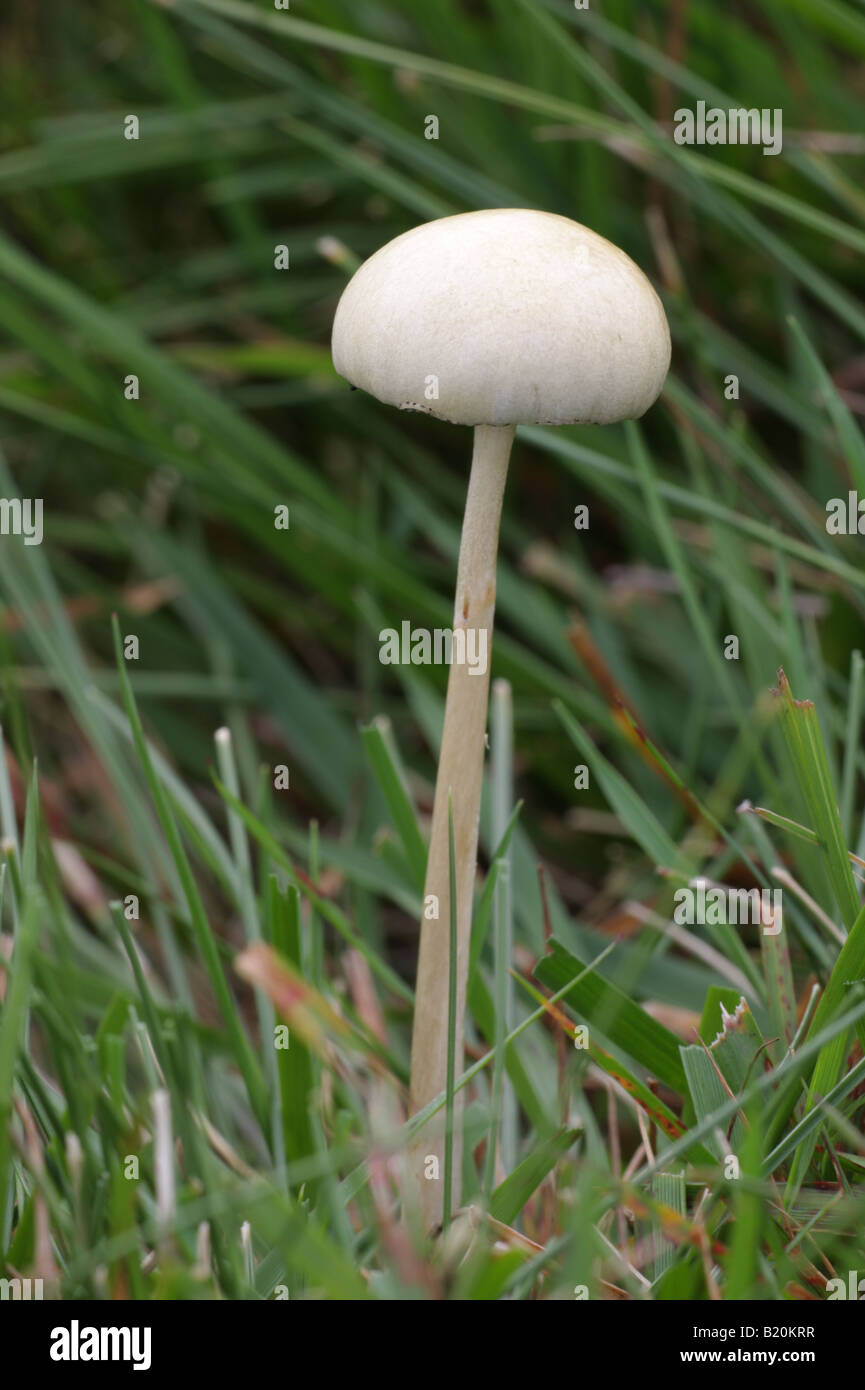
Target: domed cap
x=511, y=317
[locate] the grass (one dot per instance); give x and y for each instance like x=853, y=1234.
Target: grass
x=207, y=963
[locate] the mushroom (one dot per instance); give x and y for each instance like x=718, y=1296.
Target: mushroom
x=489, y=319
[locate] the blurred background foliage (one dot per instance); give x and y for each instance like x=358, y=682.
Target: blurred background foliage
x=259, y=128
x=154, y=257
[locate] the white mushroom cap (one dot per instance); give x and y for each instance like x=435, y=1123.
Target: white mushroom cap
x=512, y=316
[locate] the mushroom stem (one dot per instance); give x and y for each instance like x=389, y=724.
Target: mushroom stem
x=460, y=770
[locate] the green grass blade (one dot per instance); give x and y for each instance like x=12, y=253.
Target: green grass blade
x=520, y=1186
x=390, y=778
x=808, y=755
x=640, y=1037
x=203, y=933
